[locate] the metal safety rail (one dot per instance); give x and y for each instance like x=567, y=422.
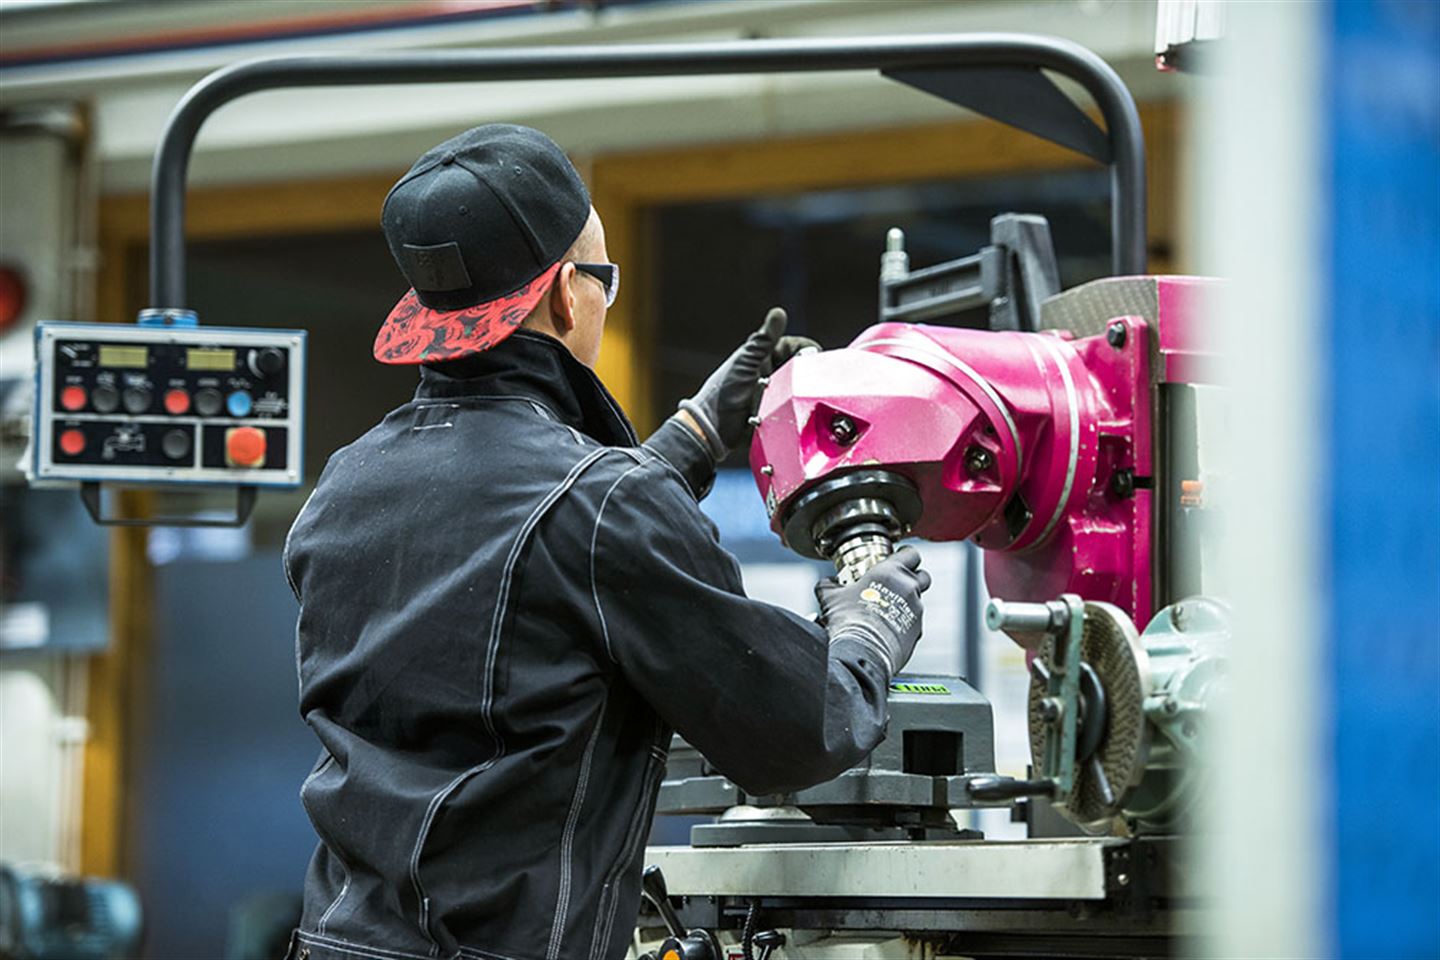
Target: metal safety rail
x=995, y=74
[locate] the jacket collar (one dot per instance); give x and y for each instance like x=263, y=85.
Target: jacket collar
x=539, y=368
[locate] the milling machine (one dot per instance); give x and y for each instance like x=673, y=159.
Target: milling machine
x=1064, y=433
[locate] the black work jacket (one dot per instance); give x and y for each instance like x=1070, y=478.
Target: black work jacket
x=506, y=605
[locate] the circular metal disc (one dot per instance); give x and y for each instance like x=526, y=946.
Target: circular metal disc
x=1111, y=646
x=804, y=510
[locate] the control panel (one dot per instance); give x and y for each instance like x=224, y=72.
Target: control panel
x=137, y=404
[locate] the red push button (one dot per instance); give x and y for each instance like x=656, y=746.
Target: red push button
x=72, y=443
x=73, y=398
x=177, y=402
x=245, y=447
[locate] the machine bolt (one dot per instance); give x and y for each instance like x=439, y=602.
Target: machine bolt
x=753, y=421
x=1123, y=879
x=763, y=381
x=1050, y=709
x=768, y=470
x=1172, y=706
x=1122, y=483
x=978, y=459
x=842, y=430
x=1115, y=335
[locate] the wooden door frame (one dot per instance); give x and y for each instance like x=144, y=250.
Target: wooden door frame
x=625, y=187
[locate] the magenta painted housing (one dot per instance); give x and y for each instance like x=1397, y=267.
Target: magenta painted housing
x=1027, y=443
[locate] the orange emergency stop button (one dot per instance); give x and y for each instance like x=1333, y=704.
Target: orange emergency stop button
x=245, y=447
x=73, y=398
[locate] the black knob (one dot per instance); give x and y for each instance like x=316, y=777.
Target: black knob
x=136, y=399
x=208, y=402
x=699, y=945
x=767, y=941
x=266, y=362
x=176, y=444
x=105, y=399
x=696, y=945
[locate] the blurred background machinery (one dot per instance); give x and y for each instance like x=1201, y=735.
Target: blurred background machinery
x=50, y=917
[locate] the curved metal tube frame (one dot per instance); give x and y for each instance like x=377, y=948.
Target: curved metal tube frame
x=1122, y=121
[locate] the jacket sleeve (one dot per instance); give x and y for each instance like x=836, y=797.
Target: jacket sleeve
x=757, y=689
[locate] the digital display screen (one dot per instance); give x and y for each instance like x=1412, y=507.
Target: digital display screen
x=198, y=359
x=114, y=355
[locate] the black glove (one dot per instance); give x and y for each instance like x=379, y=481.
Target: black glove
x=724, y=404
x=881, y=610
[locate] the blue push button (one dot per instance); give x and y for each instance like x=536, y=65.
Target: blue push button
x=239, y=404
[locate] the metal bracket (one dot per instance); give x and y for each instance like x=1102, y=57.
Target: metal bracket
x=1064, y=686
x=1022, y=97
x=1001, y=287
x=244, y=506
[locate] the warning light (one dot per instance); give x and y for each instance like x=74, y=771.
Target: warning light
x=12, y=296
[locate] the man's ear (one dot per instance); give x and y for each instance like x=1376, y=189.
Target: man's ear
x=562, y=300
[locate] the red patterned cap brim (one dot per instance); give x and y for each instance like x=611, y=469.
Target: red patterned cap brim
x=414, y=333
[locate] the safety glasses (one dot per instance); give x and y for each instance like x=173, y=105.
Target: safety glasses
x=608, y=274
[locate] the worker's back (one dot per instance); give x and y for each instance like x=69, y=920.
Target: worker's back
x=459, y=696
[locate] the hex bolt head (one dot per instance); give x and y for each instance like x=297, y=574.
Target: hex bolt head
x=1050, y=709
x=843, y=430
x=1115, y=335
x=1122, y=483
x=978, y=459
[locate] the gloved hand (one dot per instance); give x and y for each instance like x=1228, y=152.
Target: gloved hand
x=724, y=404
x=881, y=610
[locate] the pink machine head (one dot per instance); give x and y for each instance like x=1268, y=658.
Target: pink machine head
x=1038, y=446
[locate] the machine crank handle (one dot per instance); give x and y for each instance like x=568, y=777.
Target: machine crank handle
x=1009, y=788
x=652, y=888
x=679, y=945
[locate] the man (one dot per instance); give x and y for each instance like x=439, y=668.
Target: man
x=508, y=603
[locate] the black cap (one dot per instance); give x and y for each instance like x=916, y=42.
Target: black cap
x=478, y=226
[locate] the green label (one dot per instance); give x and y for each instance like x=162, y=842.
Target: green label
x=919, y=688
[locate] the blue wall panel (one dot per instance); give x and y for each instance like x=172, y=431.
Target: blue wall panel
x=217, y=814
x=1383, y=111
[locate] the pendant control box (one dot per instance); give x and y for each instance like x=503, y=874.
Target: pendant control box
x=168, y=405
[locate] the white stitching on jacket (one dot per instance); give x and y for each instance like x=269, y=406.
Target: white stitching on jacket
x=345, y=886
x=567, y=840
x=359, y=950
x=594, y=536
x=479, y=954
x=487, y=698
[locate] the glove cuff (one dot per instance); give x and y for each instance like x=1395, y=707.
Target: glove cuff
x=872, y=641
x=718, y=450
x=677, y=445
